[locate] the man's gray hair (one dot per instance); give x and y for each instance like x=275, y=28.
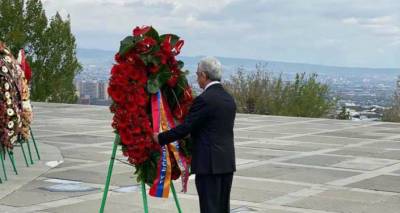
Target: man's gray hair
x=212, y=67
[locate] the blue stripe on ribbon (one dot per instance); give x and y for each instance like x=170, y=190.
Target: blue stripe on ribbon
x=160, y=187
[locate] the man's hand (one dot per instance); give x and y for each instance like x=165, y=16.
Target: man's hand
x=155, y=137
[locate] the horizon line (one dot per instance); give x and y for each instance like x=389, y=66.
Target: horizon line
x=265, y=60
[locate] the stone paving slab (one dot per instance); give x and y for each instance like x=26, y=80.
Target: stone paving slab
x=362, y=163
x=293, y=173
x=285, y=165
x=387, y=183
x=328, y=139
x=369, y=153
x=48, y=154
x=319, y=160
x=347, y=202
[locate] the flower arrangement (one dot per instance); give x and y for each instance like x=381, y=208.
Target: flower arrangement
x=15, y=108
x=146, y=66
x=10, y=120
x=26, y=113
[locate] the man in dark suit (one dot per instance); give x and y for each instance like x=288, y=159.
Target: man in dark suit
x=210, y=124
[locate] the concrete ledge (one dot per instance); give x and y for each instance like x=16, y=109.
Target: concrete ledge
x=50, y=157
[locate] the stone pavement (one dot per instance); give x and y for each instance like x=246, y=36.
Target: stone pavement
x=285, y=165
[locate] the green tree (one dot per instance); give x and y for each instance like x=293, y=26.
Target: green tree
x=392, y=114
x=246, y=88
x=344, y=114
x=12, y=23
x=50, y=47
x=261, y=92
x=306, y=97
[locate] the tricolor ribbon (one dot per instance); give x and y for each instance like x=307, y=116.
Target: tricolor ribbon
x=162, y=121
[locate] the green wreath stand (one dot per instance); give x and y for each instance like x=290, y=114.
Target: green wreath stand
x=22, y=142
x=34, y=145
x=10, y=153
x=143, y=185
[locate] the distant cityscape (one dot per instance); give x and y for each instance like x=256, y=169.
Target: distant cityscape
x=92, y=92
x=365, y=92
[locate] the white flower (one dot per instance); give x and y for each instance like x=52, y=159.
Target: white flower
x=8, y=59
x=10, y=112
x=9, y=102
x=26, y=105
x=10, y=124
x=4, y=69
x=7, y=94
x=6, y=86
x=10, y=132
x=13, y=139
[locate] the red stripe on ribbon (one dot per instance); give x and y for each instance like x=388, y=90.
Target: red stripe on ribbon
x=161, y=185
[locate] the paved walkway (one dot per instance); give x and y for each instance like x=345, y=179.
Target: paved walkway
x=285, y=165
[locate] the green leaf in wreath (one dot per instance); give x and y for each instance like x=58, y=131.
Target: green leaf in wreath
x=174, y=38
x=156, y=48
x=156, y=81
x=186, y=72
x=145, y=58
x=153, y=34
x=153, y=85
x=127, y=44
x=150, y=59
x=163, y=75
x=181, y=85
x=156, y=61
x=180, y=64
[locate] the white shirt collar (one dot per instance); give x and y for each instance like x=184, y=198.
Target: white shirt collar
x=211, y=83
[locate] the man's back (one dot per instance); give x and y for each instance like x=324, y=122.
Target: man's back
x=213, y=151
x=210, y=123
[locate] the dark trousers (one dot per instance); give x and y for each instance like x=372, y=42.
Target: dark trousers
x=214, y=192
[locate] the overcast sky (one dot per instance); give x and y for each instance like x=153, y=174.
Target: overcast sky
x=331, y=32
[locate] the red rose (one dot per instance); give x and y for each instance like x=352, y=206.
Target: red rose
x=139, y=64
x=142, y=77
x=172, y=81
x=166, y=44
x=163, y=58
x=116, y=95
x=118, y=58
x=126, y=137
x=178, y=46
x=130, y=56
x=132, y=73
x=154, y=69
x=149, y=41
x=114, y=70
x=140, y=30
x=141, y=100
x=136, y=130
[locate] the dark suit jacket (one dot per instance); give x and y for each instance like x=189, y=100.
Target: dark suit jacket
x=210, y=123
